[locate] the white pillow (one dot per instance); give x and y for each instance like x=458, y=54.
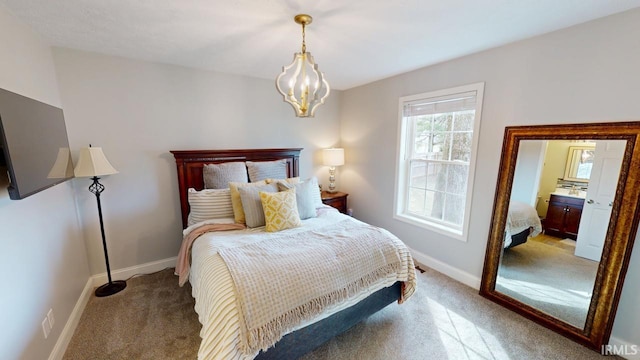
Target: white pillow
x=317, y=198
x=209, y=204
x=305, y=197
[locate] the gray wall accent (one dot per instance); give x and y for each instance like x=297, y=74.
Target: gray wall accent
x=43, y=261
x=137, y=111
x=587, y=73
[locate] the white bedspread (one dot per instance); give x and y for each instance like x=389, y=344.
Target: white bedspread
x=215, y=296
x=521, y=216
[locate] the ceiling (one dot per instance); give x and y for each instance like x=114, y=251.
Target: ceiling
x=354, y=42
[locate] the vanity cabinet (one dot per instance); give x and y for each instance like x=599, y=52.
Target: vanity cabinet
x=563, y=216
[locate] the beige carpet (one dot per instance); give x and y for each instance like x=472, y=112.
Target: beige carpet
x=544, y=273
x=154, y=319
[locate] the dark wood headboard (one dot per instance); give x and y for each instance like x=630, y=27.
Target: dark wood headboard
x=189, y=164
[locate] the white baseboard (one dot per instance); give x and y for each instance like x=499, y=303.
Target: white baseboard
x=624, y=349
x=450, y=271
x=122, y=274
x=70, y=327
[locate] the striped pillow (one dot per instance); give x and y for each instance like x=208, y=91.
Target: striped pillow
x=263, y=170
x=209, y=204
x=236, y=202
x=251, y=205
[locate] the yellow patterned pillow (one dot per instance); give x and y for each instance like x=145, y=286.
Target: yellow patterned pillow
x=280, y=210
x=292, y=180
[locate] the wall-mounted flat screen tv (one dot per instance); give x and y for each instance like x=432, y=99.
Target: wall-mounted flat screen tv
x=34, y=144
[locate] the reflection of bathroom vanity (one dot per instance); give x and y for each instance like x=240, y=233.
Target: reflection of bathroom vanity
x=563, y=215
x=565, y=203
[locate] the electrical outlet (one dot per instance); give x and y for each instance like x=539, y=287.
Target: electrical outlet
x=51, y=319
x=46, y=329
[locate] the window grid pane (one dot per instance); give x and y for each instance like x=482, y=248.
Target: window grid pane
x=440, y=151
x=436, y=190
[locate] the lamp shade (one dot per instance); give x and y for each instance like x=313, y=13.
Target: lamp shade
x=333, y=157
x=92, y=162
x=63, y=167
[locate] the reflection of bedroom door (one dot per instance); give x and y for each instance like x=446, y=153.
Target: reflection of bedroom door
x=600, y=194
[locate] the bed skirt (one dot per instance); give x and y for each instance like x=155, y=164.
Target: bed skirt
x=519, y=238
x=302, y=341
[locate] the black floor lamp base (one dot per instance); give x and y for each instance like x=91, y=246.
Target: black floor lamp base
x=111, y=288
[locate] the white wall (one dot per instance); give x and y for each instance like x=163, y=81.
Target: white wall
x=588, y=73
x=138, y=111
x=43, y=260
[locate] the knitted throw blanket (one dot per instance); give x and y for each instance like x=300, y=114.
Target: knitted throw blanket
x=285, y=281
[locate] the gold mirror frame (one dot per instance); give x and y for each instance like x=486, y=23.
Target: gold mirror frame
x=620, y=233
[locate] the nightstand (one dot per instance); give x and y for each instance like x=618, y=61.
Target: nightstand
x=338, y=200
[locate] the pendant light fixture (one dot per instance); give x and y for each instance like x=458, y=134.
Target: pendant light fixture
x=301, y=83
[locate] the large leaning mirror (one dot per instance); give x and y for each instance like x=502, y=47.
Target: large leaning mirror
x=565, y=218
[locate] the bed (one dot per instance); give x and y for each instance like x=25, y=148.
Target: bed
x=522, y=222
x=221, y=299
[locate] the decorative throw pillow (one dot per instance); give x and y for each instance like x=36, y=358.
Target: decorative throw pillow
x=209, y=204
x=250, y=197
x=304, y=197
x=236, y=202
x=262, y=170
x=280, y=210
x=218, y=176
x=292, y=180
x=317, y=198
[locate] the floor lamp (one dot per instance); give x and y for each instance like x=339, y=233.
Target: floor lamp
x=92, y=163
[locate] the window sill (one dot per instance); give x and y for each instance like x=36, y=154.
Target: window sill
x=458, y=235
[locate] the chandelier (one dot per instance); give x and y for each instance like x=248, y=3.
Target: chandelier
x=301, y=84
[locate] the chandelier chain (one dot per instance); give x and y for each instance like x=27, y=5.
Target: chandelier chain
x=304, y=44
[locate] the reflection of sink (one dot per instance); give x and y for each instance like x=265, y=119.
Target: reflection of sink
x=565, y=192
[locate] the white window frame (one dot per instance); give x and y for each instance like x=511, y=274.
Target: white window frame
x=403, y=163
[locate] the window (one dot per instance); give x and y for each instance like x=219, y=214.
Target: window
x=438, y=137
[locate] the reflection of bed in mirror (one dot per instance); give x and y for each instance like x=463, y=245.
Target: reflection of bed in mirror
x=522, y=223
